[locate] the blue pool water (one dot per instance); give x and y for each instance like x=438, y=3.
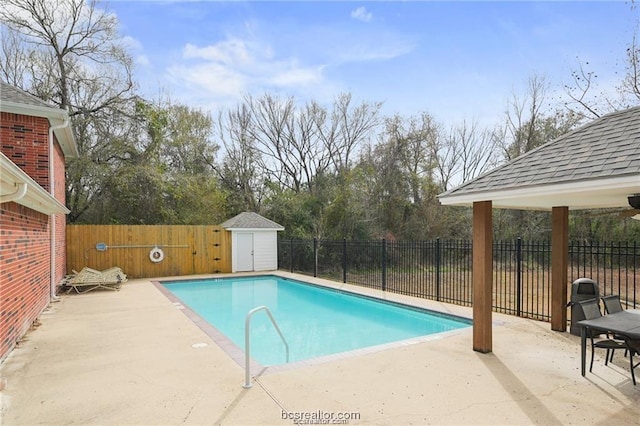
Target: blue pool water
x=315, y=321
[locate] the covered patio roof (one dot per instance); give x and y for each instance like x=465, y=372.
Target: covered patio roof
x=594, y=166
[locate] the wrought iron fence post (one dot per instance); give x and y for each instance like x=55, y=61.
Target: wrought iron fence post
x=315, y=257
x=344, y=260
x=635, y=257
x=438, y=283
x=291, y=253
x=384, y=264
x=519, y=276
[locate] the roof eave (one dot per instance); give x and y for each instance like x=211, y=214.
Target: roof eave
x=35, y=198
x=585, y=194
x=254, y=229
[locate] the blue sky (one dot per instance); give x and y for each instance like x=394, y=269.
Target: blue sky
x=455, y=60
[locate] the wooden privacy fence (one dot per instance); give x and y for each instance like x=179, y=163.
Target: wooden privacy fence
x=178, y=249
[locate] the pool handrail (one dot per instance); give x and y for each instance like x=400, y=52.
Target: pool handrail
x=247, y=342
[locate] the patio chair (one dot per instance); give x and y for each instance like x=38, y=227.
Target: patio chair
x=89, y=279
x=612, y=303
x=634, y=349
x=591, y=310
x=611, y=306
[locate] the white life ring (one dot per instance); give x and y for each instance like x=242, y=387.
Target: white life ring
x=156, y=255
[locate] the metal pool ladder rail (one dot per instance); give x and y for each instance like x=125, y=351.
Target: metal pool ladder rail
x=247, y=342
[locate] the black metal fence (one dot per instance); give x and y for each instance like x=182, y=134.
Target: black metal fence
x=442, y=269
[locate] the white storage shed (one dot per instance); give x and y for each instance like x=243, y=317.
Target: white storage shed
x=254, y=242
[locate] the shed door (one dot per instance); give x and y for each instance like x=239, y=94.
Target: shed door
x=245, y=252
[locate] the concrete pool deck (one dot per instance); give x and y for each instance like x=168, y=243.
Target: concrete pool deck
x=133, y=357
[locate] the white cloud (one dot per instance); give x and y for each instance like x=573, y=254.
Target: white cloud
x=232, y=67
x=134, y=46
x=131, y=43
x=356, y=44
x=381, y=47
x=142, y=60
x=297, y=76
x=214, y=79
x=361, y=14
x=231, y=52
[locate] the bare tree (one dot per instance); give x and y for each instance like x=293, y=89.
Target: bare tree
x=586, y=99
x=582, y=99
x=522, y=119
x=68, y=52
x=299, y=143
x=630, y=85
x=273, y=130
x=413, y=139
x=242, y=169
x=463, y=154
x=14, y=63
x=349, y=126
x=531, y=121
x=75, y=43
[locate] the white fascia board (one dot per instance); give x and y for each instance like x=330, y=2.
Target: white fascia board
x=628, y=185
x=36, y=198
x=33, y=110
x=55, y=116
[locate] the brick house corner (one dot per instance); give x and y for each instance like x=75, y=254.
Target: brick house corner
x=35, y=139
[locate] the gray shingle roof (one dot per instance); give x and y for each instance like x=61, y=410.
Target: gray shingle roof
x=607, y=147
x=250, y=220
x=9, y=93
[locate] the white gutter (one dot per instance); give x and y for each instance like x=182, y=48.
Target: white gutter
x=14, y=196
x=36, y=197
x=52, y=217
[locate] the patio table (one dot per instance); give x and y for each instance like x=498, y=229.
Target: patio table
x=624, y=323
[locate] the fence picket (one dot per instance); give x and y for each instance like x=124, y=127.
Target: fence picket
x=188, y=249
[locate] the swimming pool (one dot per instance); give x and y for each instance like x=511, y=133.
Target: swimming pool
x=315, y=321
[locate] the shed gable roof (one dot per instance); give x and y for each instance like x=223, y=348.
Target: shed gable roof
x=605, y=152
x=251, y=220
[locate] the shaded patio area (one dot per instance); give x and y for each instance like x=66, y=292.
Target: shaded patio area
x=133, y=357
x=594, y=166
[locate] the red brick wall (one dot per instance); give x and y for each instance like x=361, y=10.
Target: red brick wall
x=25, y=239
x=24, y=271
x=61, y=220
